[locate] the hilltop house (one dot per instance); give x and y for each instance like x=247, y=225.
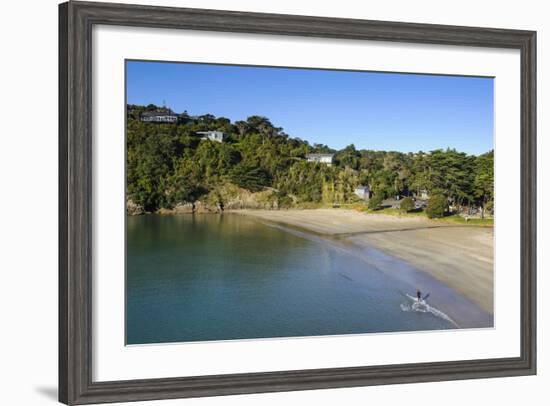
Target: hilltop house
x=322, y=158
x=363, y=192
x=159, y=117
x=217, y=136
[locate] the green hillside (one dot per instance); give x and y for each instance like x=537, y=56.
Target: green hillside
x=169, y=164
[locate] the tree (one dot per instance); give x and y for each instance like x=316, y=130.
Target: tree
x=484, y=181
x=242, y=127
x=375, y=202
x=406, y=205
x=183, y=189
x=437, y=206
x=149, y=165
x=249, y=177
x=309, y=182
x=348, y=157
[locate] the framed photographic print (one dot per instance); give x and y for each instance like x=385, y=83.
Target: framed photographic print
x=259, y=202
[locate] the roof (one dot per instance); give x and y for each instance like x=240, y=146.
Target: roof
x=157, y=113
x=319, y=155
x=210, y=132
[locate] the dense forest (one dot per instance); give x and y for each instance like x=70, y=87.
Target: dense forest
x=168, y=164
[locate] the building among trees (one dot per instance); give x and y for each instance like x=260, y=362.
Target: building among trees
x=217, y=136
x=322, y=158
x=363, y=192
x=423, y=194
x=159, y=117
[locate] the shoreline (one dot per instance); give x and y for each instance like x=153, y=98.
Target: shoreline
x=459, y=257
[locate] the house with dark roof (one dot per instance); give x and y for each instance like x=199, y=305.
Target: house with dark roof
x=159, y=117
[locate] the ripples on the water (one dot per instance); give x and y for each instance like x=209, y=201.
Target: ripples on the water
x=424, y=307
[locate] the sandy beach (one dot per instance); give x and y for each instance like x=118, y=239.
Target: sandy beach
x=459, y=256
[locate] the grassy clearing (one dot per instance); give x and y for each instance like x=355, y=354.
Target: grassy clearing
x=486, y=222
x=345, y=206
x=456, y=219
x=361, y=207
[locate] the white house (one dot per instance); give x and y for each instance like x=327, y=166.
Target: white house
x=362, y=192
x=322, y=158
x=217, y=136
x=159, y=117
x=423, y=194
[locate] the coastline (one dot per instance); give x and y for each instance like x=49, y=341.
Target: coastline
x=459, y=257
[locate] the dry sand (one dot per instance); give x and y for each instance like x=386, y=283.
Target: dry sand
x=459, y=256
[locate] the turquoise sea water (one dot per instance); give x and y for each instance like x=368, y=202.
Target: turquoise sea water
x=222, y=277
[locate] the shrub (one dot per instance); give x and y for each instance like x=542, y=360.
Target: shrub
x=437, y=206
x=249, y=177
x=406, y=205
x=284, y=201
x=375, y=202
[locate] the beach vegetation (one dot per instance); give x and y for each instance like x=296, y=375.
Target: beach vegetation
x=437, y=206
x=375, y=203
x=406, y=205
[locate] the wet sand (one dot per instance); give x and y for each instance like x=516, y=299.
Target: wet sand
x=461, y=257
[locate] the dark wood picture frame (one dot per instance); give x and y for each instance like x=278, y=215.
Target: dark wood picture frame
x=76, y=20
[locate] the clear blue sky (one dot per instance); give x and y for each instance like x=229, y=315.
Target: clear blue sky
x=381, y=111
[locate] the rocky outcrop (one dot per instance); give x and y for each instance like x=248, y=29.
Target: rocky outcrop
x=240, y=203
x=184, y=208
x=202, y=207
x=224, y=197
x=190, y=208
x=232, y=197
x=133, y=209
